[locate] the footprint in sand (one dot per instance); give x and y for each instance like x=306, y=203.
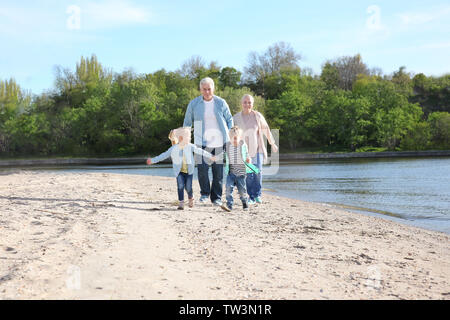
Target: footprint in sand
x=11, y=250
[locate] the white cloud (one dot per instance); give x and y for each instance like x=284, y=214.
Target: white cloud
x=113, y=13
x=16, y=21
x=436, y=45
x=37, y=26
x=59, y=21
x=418, y=18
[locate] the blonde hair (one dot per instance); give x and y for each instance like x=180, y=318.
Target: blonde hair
x=172, y=137
x=174, y=134
x=235, y=131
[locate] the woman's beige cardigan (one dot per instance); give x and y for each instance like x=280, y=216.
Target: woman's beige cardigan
x=263, y=129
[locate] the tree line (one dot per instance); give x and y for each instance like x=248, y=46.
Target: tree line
x=93, y=111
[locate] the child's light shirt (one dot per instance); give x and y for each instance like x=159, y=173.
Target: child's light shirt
x=177, y=155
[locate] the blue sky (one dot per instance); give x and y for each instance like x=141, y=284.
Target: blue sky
x=151, y=35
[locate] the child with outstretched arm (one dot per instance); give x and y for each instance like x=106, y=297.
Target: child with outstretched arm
x=182, y=154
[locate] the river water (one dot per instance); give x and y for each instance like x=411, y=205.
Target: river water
x=414, y=191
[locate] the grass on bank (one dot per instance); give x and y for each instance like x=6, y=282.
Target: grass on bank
x=333, y=149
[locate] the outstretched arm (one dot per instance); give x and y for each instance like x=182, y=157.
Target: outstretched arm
x=202, y=152
x=161, y=157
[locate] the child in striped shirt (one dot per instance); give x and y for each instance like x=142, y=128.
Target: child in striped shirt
x=238, y=164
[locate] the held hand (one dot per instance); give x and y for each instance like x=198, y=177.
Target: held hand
x=213, y=159
x=248, y=160
x=274, y=148
x=149, y=161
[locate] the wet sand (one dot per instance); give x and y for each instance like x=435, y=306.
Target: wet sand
x=111, y=236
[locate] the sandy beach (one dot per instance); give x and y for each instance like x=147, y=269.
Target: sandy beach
x=111, y=236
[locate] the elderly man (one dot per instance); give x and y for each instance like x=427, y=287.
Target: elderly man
x=212, y=119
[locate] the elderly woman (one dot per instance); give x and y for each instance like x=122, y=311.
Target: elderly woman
x=255, y=127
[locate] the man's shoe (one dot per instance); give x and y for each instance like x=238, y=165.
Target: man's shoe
x=250, y=201
x=217, y=202
x=203, y=199
x=258, y=200
x=245, y=206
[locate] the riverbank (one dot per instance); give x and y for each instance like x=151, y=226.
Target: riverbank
x=110, y=236
x=368, y=155
x=5, y=163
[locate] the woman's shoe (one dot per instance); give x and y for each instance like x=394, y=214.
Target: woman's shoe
x=250, y=201
x=191, y=203
x=258, y=200
x=226, y=207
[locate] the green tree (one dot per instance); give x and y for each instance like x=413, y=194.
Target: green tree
x=288, y=114
x=392, y=114
x=195, y=69
x=233, y=98
x=403, y=82
x=13, y=101
x=432, y=93
x=278, y=57
x=440, y=129
x=229, y=77
x=74, y=88
x=285, y=80
x=29, y=134
x=393, y=124
x=417, y=138
x=344, y=120
x=91, y=111
x=330, y=76
x=348, y=68
x=134, y=100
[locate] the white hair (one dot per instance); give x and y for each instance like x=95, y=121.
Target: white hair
x=205, y=81
x=249, y=96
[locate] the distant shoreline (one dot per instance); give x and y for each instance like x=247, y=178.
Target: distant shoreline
x=283, y=157
x=350, y=155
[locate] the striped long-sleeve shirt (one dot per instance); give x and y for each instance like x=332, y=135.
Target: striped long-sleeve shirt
x=236, y=162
